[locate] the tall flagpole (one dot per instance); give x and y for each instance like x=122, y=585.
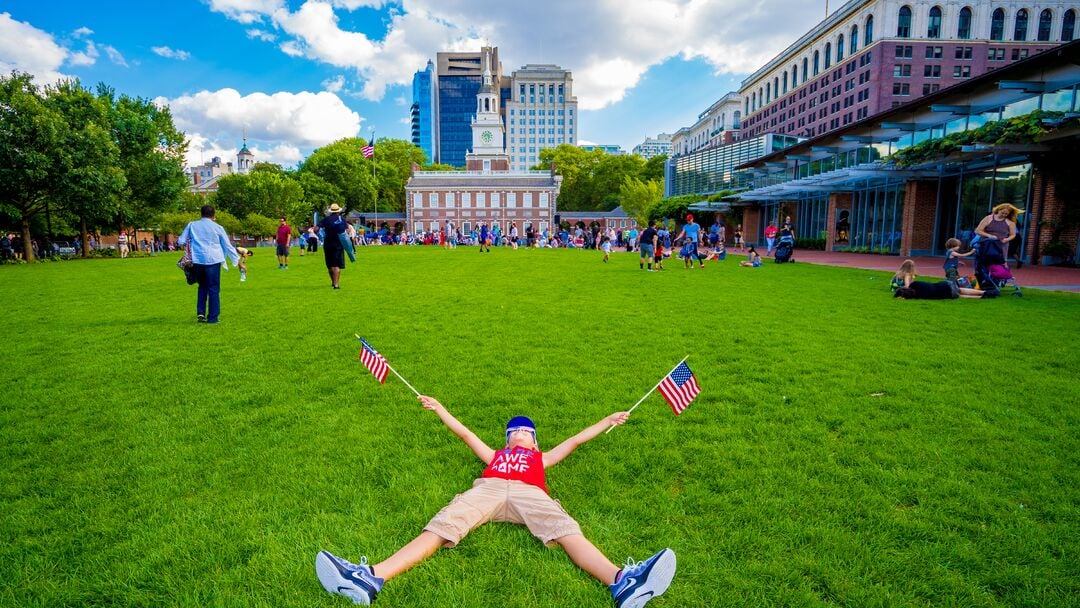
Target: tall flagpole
x=373, y=179
x=650, y=391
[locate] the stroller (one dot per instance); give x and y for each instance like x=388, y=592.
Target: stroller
x=991, y=270
x=785, y=250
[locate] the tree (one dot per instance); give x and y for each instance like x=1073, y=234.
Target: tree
x=608, y=176
x=90, y=183
x=637, y=196
x=654, y=168
x=31, y=137
x=343, y=166
x=394, y=160
x=151, y=157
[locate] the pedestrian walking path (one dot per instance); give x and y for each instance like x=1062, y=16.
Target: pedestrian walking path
x=1043, y=277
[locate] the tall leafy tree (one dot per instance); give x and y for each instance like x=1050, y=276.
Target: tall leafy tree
x=151, y=157
x=90, y=182
x=342, y=165
x=637, y=195
x=654, y=168
x=32, y=135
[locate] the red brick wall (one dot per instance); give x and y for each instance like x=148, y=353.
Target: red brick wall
x=1045, y=194
x=838, y=201
x=920, y=209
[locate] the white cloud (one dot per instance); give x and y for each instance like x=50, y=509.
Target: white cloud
x=405, y=120
x=335, y=84
x=246, y=11
x=169, y=53
x=25, y=48
x=401, y=100
x=87, y=57
x=281, y=124
x=115, y=56
x=607, y=44
x=263, y=35
x=81, y=32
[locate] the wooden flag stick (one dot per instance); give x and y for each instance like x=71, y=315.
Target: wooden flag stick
x=650, y=392
x=391, y=368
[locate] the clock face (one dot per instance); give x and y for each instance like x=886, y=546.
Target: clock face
x=487, y=137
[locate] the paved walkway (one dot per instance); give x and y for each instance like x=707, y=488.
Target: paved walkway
x=1043, y=277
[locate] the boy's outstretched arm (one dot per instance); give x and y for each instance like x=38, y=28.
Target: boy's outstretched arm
x=477, y=445
x=563, y=449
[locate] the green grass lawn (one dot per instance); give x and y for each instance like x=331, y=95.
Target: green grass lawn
x=846, y=449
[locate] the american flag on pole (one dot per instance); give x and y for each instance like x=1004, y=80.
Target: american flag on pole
x=369, y=150
x=679, y=388
x=373, y=361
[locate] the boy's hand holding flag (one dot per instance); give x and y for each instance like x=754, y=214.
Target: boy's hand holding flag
x=679, y=387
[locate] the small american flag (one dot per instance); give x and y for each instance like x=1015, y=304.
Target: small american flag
x=373, y=361
x=679, y=388
x=369, y=150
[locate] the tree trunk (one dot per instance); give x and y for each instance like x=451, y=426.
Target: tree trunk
x=28, y=247
x=83, y=234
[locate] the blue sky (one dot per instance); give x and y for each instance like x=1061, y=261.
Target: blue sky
x=297, y=74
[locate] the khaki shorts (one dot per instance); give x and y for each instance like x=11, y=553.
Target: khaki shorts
x=503, y=500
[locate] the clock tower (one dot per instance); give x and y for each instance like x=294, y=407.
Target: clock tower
x=488, y=140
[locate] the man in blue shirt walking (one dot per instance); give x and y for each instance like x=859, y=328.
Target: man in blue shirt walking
x=692, y=232
x=209, y=248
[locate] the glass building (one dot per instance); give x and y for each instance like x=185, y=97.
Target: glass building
x=423, y=111
x=713, y=169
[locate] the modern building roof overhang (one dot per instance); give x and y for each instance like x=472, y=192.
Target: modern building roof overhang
x=1050, y=71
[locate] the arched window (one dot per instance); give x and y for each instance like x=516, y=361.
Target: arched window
x=760, y=97
x=768, y=93
x=805, y=64
x=776, y=88
x=963, y=27
x=903, y=24
x=1068, y=23
x=746, y=103
x=753, y=103
x=1020, y=31
x=933, y=29
x=828, y=55
x=1045, y=18
x=868, y=35
x=794, y=76
x=854, y=39
x=997, y=25
x=785, y=83
x=817, y=56
x=840, y=48
x=737, y=122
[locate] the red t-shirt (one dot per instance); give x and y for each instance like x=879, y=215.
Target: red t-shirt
x=520, y=464
x=770, y=232
x=284, y=235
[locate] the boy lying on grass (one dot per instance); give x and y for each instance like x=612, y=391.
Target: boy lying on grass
x=511, y=489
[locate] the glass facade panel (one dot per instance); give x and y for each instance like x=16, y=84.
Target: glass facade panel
x=457, y=105
x=1019, y=108
x=967, y=199
x=876, y=218
x=811, y=218
x=1060, y=101
x=712, y=170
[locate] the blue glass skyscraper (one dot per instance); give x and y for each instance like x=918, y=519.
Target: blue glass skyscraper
x=423, y=111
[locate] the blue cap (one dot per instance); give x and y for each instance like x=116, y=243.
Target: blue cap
x=520, y=422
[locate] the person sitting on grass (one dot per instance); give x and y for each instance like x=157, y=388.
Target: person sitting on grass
x=717, y=253
x=907, y=288
x=511, y=489
x=753, y=258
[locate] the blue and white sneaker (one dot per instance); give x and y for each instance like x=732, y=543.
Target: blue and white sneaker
x=356, y=582
x=641, y=582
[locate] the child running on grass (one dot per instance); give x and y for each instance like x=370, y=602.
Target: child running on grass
x=605, y=245
x=511, y=489
x=658, y=256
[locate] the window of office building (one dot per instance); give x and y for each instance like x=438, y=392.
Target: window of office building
x=963, y=52
x=933, y=28
x=816, y=60
x=902, y=70
x=805, y=64
x=997, y=25
x=962, y=71
x=903, y=23
x=1068, y=24
x=963, y=26
x=1020, y=30
x=1045, y=18
x=900, y=89
x=932, y=71
x=868, y=35
x=433, y=200
x=934, y=52
x=840, y=48
x=828, y=55
x=854, y=39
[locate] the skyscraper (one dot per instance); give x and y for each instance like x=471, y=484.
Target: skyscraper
x=423, y=111
x=458, y=78
x=540, y=113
